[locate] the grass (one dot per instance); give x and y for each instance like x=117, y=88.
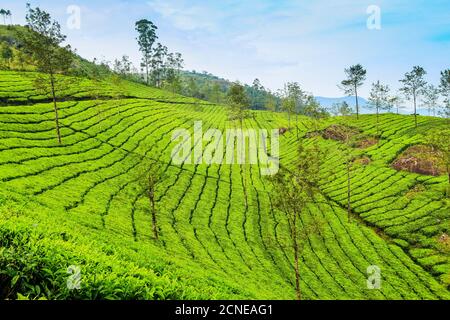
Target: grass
x=78, y=204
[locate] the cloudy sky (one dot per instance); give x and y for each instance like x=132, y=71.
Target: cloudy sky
x=274, y=40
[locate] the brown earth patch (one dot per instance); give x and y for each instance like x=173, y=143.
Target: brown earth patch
x=364, y=161
x=420, y=159
x=353, y=135
x=366, y=143
x=340, y=133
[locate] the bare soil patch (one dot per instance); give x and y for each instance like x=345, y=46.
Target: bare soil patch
x=354, y=136
x=420, y=159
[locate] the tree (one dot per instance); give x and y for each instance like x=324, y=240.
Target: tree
x=193, y=90
x=312, y=108
x=3, y=14
x=147, y=37
x=238, y=102
x=445, y=91
x=378, y=99
x=216, y=93
x=341, y=109
x=42, y=41
x=256, y=93
x=173, y=73
x=431, y=99
x=7, y=55
x=395, y=101
x=158, y=64
x=293, y=191
x=347, y=134
x=440, y=139
x=293, y=100
x=9, y=14
x=413, y=86
x=123, y=67
x=149, y=177
x=270, y=103
x=356, y=75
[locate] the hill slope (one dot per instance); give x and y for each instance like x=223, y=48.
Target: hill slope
x=79, y=205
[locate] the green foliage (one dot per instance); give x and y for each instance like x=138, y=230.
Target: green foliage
x=147, y=37
x=238, y=102
x=356, y=75
x=80, y=204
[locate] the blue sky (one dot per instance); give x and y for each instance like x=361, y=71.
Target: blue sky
x=276, y=41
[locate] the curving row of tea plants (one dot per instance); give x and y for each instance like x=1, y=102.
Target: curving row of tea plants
x=78, y=204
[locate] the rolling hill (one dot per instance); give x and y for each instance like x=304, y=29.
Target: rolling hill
x=79, y=204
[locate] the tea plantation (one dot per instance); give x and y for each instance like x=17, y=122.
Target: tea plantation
x=79, y=204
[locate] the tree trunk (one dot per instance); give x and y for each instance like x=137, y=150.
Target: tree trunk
x=349, y=207
x=448, y=172
x=244, y=179
x=154, y=221
x=55, y=106
x=415, y=109
x=296, y=257
x=289, y=119
x=378, y=121
x=357, y=102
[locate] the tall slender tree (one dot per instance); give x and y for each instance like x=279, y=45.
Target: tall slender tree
x=149, y=177
x=238, y=102
x=9, y=15
x=396, y=101
x=146, y=38
x=414, y=86
x=42, y=40
x=293, y=100
x=356, y=75
x=3, y=14
x=430, y=99
x=293, y=191
x=445, y=91
x=379, y=99
x=158, y=64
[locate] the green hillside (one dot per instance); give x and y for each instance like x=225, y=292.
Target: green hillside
x=80, y=204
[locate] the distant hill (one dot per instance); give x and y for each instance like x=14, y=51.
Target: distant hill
x=328, y=102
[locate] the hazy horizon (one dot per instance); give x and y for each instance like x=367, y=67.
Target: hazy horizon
x=275, y=41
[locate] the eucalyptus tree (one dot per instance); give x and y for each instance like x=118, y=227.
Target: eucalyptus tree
x=146, y=38
x=293, y=191
x=158, y=64
x=396, y=101
x=149, y=177
x=445, y=91
x=341, y=109
x=3, y=14
x=9, y=14
x=430, y=99
x=379, y=99
x=292, y=100
x=356, y=75
x=414, y=86
x=43, y=40
x=174, y=66
x=7, y=55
